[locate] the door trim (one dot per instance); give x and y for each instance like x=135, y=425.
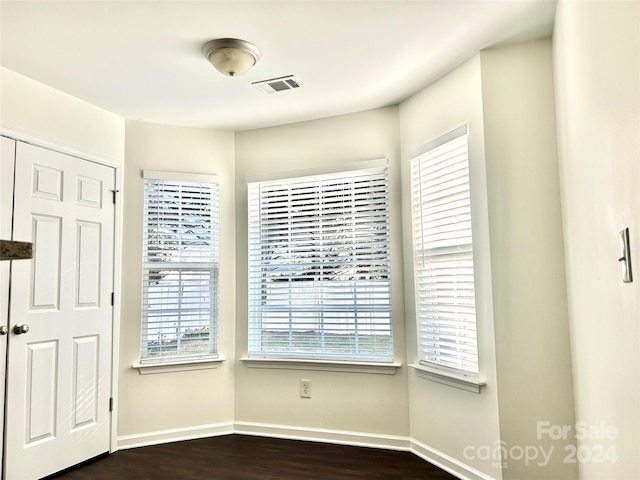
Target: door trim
x=22, y=136
x=117, y=165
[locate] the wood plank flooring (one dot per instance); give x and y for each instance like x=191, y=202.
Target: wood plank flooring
x=242, y=457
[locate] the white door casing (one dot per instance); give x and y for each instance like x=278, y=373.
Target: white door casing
x=7, y=156
x=59, y=372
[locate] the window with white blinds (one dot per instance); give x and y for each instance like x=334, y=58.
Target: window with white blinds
x=443, y=255
x=180, y=267
x=319, y=267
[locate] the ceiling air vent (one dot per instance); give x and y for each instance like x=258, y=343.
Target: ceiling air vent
x=279, y=84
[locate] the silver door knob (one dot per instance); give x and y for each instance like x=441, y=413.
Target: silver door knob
x=4, y=330
x=20, y=329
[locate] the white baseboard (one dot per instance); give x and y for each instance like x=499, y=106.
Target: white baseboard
x=342, y=437
x=447, y=463
x=174, y=435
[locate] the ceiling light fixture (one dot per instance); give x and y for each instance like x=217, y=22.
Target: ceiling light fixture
x=231, y=56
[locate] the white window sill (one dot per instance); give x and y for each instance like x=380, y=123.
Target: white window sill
x=323, y=365
x=177, y=366
x=465, y=383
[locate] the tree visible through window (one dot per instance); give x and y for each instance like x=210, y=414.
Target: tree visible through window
x=319, y=267
x=180, y=266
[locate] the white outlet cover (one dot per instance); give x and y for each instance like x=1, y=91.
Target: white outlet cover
x=305, y=388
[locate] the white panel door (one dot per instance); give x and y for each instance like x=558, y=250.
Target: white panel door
x=58, y=374
x=7, y=153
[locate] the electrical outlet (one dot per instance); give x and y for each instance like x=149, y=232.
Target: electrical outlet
x=305, y=388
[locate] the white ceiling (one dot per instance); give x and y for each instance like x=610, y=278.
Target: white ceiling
x=142, y=59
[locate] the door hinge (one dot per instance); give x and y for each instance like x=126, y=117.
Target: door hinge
x=111, y=404
x=113, y=298
x=114, y=195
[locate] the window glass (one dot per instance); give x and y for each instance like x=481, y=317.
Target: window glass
x=319, y=267
x=180, y=269
x=443, y=255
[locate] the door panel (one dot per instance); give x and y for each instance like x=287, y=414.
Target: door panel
x=45, y=265
x=88, y=246
x=47, y=182
x=85, y=381
x=41, y=395
x=59, y=372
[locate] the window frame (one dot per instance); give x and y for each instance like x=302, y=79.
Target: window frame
x=430, y=367
x=316, y=360
x=184, y=361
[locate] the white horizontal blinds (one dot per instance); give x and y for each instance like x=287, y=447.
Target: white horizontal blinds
x=319, y=267
x=443, y=255
x=180, y=269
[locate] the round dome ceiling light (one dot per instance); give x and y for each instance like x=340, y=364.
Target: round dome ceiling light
x=231, y=56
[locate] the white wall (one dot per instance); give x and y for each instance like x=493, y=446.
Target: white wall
x=180, y=400
x=31, y=107
x=527, y=257
x=597, y=77
x=505, y=96
x=444, y=418
x=348, y=402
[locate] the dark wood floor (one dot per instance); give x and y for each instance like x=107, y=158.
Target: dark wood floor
x=242, y=457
